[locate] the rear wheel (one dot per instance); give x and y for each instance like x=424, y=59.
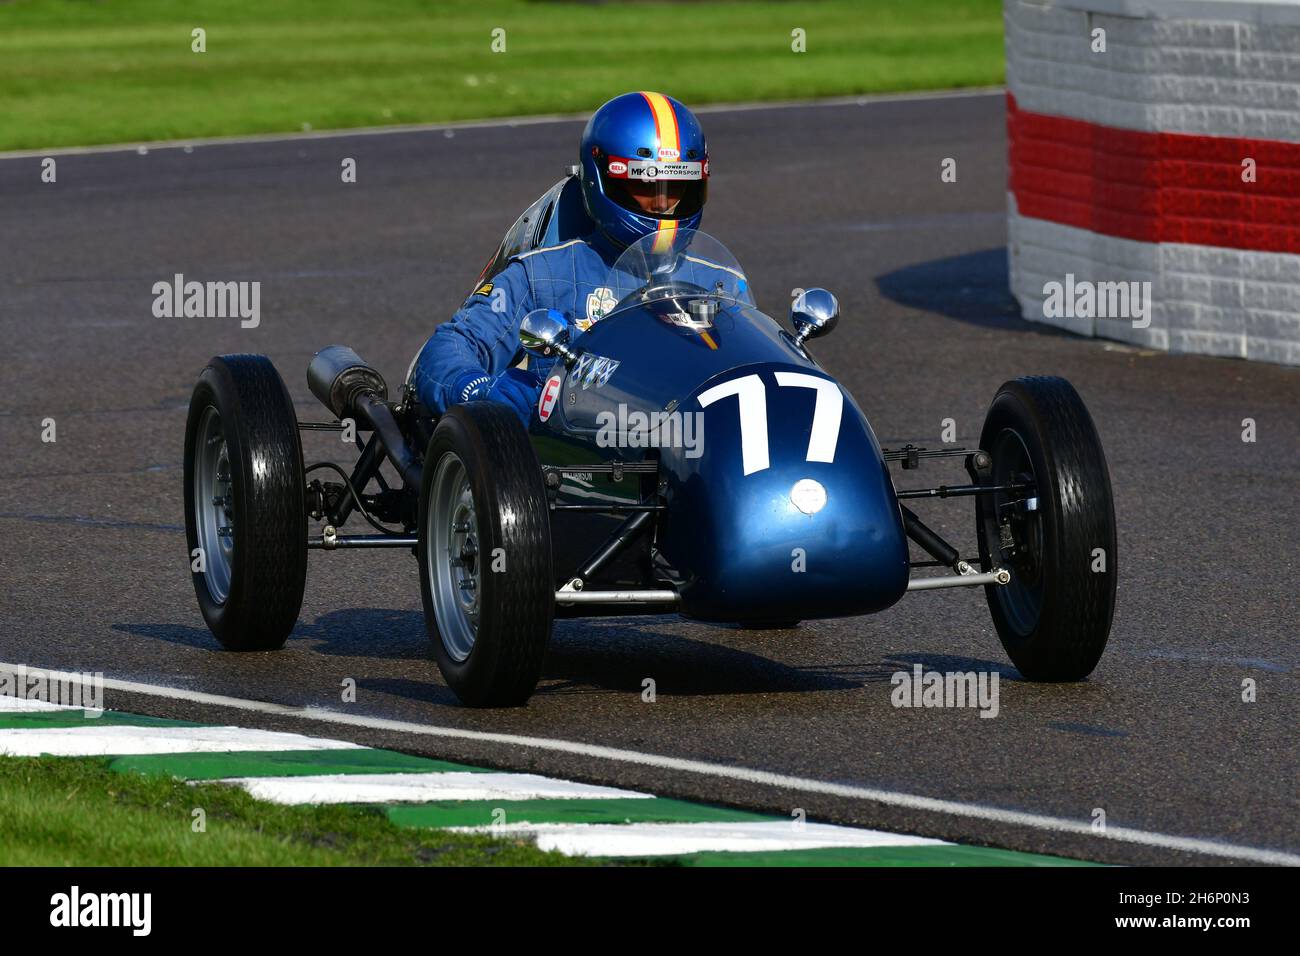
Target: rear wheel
x=485, y=555
x=1057, y=537
x=245, y=515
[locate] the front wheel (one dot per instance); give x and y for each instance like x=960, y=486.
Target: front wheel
x=485, y=555
x=245, y=514
x=1056, y=535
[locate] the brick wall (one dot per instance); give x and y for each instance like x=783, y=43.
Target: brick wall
x=1126, y=165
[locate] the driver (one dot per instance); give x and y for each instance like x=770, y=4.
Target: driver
x=644, y=170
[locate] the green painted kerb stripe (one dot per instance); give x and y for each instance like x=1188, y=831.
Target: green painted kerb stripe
x=291, y=763
x=41, y=719
x=480, y=813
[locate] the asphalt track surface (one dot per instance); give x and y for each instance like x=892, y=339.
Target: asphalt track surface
x=93, y=566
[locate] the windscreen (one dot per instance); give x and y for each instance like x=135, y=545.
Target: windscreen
x=674, y=263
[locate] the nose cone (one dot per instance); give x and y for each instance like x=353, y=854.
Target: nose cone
x=798, y=538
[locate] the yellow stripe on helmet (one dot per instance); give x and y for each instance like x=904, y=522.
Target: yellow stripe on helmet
x=665, y=120
x=665, y=235
x=669, y=138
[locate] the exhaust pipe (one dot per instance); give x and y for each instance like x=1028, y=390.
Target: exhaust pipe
x=350, y=388
x=338, y=376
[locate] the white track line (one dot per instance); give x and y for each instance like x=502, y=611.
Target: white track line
x=119, y=740
x=661, y=839
x=953, y=808
x=533, y=120
x=23, y=705
x=423, y=788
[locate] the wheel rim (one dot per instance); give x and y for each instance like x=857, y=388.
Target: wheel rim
x=454, y=567
x=214, y=505
x=1022, y=598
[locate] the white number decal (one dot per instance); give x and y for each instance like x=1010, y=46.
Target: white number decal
x=748, y=389
x=826, y=413
x=752, y=400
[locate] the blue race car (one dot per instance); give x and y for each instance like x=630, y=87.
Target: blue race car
x=687, y=455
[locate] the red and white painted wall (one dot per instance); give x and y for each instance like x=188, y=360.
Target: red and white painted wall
x=1171, y=157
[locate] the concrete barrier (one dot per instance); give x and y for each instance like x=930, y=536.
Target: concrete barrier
x=1158, y=141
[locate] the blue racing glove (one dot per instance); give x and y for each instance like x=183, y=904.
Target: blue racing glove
x=516, y=388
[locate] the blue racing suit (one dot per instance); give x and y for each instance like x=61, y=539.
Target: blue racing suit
x=465, y=355
x=471, y=356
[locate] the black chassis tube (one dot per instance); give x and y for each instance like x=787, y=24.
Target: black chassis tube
x=622, y=536
x=957, y=491
x=380, y=418
x=367, y=467
x=928, y=539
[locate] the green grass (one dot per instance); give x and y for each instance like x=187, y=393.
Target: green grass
x=78, y=72
x=60, y=811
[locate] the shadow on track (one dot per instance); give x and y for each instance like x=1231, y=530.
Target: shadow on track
x=971, y=288
x=585, y=657
x=355, y=632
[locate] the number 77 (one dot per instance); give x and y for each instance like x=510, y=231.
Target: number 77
x=751, y=396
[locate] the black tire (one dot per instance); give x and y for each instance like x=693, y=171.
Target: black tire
x=481, y=448
x=265, y=564
x=1054, y=617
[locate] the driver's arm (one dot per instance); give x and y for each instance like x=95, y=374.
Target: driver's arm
x=465, y=356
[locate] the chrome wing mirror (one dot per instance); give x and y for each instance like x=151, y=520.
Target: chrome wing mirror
x=545, y=333
x=814, y=313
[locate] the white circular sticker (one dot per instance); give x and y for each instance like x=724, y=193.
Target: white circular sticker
x=550, y=395
x=808, y=496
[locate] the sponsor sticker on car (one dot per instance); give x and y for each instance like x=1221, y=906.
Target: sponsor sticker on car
x=550, y=395
x=594, y=370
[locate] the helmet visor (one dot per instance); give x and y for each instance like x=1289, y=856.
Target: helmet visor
x=657, y=190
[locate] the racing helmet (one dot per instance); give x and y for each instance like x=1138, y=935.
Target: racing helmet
x=645, y=168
